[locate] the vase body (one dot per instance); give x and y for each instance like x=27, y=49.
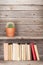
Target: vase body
x=10, y=32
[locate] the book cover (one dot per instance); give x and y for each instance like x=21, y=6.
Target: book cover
x=36, y=50
x=16, y=53
x=28, y=51
x=10, y=51
x=23, y=52
x=33, y=51
x=5, y=51
x=20, y=51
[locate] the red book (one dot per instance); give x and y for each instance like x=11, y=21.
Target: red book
x=33, y=51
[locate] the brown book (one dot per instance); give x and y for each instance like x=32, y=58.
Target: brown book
x=5, y=51
x=9, y=51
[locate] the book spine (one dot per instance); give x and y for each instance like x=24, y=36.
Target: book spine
x=33, y=51
x=20, y=51
x=36, y=50
x=10, y=52
x=28, y=52
x=16, y=52
x=5, y=51
x=14, y=48
x=23, y=52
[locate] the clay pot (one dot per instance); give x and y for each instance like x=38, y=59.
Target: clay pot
x=10, y=32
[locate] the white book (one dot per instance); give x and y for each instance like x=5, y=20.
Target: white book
x=23, y=52
x=28, y=49
x=36, y=50
x=5, y=51
x=16, y=53
x=20, y=51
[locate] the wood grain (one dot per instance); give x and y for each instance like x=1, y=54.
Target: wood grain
x=28, y=18
x=20, y=7
x=21, y=62
x=21, y=2
x=22, y=21
x=21, y=14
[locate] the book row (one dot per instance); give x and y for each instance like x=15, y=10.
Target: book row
x=16, y=51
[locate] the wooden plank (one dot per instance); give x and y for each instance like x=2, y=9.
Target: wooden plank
x=21, y=2
x=25, y=34
x=41, y=58
x=29, y=34
x=24, y=28
x=32, y=28
x=21, y=14
x=23, y=37
x=24, y=21
x=1, y=57
x=40, y=47
x=14, y=7
x=21, y=62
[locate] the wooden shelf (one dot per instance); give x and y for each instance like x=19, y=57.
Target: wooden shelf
x=21, y=62
x=21, y=4
x=19, y=37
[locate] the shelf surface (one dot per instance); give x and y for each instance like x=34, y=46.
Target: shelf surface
x=19, y=37
x=21, y=63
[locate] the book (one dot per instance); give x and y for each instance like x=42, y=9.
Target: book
x=33, y=51
x=5, y=51
x=16, y=53
x=23, y=52
x=28, y=51
x=20, y=51
x=10, y=51
x=36, y=50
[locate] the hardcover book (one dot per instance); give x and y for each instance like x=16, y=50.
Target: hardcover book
x=5, y=51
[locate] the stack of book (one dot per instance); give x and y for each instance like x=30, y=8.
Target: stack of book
x=18, y=51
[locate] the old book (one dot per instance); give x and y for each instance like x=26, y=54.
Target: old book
x=23, y=52
x=33, y=51
x=20, y=51
x=5, y=51
x=10, y=51
x=16, y=53
x=28, y=51
x=36, y=50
